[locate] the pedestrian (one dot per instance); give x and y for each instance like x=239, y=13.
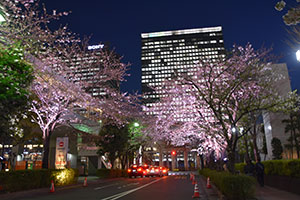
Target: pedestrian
x=260, y=172
x=249, y=168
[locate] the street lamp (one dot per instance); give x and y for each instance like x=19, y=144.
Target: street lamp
x=298, y=55
x=233, y=129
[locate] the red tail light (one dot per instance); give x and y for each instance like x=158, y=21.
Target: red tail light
x=129, y=170
x=139, y=169
x=164, y=171
x=157, y=170
x=134, y=166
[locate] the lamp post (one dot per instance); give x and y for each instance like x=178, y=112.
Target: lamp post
x=298, y=55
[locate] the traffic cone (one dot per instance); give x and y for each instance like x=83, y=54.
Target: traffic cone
x=196, y=192
x=208, y=186
x=85, y=182
x=193, y=181
x=52, y=189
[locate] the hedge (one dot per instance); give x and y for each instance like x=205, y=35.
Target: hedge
x=13, y=181
x=234, y=187
x=111, y=173
x=277, y=167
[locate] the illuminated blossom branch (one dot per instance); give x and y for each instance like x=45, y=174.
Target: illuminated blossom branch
x=208, y=105
x=59, y=87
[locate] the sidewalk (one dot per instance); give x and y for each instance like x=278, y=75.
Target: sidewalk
x=269, y=193
x=210, y=194
x=262, y=193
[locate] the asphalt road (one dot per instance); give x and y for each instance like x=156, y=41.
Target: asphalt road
x=177, y=187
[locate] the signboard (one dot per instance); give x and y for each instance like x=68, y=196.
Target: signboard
x=62, y=145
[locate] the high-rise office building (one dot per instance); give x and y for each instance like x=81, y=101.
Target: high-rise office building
x=180, y=50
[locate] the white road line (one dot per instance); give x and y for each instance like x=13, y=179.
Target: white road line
x=127, y=185
x=99, y=188
x=117, y=196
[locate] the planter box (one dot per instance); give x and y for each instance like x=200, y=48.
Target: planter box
x=286, y=183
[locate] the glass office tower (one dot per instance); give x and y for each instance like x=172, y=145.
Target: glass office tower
x=180, y=50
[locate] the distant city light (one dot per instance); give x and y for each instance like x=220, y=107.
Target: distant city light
x=93, y=47
x=136, y=124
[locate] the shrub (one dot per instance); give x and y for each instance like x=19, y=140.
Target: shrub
x=240, y=167
x=234, y=187
x=30, y=179
x=103, y=173
x=282, y=167
x=278, y=167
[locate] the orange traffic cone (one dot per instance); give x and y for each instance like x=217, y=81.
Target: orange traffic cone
x=196, y=192
x=85, y=182
x=208, y=186
x=52, y=189
x=193, y=181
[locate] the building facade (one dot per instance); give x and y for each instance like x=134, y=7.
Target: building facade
x=165, y=52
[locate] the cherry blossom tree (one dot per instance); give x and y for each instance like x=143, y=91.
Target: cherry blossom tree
x=209, y=105
x=292, y=17
x=58, y=86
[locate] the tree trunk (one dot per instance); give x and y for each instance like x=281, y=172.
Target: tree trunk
x=112, y=161
x=231, y=161
x=247, y=156
x=231, y=147
x=46, y=143
x=255, y=148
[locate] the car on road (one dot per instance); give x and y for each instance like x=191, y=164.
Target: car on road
x=164, y=170
x=136, y=170
x=154, y=171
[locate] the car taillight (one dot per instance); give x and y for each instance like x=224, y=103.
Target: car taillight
x=134, y=166
x=157, y=170
x=160, y=167
x=139, y=169
x=164, y=171
x=129, y=170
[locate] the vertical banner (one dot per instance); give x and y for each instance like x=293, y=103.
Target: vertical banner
x=62, y=145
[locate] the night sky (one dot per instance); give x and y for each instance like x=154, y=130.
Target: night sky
x=121, y=22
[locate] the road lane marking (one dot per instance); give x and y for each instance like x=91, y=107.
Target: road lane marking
x=127, y=185
x=117, y=196
x=99, y=188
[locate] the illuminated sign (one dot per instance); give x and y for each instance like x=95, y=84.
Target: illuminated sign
x=93, y=47
x=62, y=145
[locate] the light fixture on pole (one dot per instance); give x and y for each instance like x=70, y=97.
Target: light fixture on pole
x=298, y=55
